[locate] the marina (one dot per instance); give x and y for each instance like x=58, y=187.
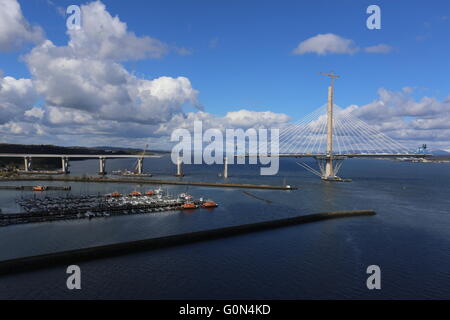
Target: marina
x=100, y=206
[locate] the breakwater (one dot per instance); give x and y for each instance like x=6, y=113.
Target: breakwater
x=85, y=254
x=33, y=188
x=147, y=181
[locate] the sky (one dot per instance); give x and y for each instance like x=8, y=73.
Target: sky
x=136, y=70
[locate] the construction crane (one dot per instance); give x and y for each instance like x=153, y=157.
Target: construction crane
x=422, y=148
x=332, y=76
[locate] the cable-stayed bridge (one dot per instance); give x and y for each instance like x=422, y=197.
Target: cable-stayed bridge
x=331, y=134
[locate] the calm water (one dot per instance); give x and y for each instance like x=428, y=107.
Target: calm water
x=409, y=238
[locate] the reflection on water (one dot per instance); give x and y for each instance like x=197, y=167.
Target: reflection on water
x=408, y=238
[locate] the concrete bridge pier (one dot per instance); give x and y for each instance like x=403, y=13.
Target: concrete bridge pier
x=329, y=169
x=102, y=170
x=65, y=165
x=179, y=167
x=27, y=165
x=225, y=167
x=140, y=166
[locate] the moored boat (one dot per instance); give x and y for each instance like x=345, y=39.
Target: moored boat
x=189, y=205
x=209, y=204
x=113, y=195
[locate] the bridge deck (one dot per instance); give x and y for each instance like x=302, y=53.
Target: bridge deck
x=39, y=155
x=284, y=155
x=348, y=155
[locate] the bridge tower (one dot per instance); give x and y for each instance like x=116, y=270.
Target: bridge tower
x=329, y=172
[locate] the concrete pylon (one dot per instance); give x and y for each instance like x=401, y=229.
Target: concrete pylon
x=329, y=171
x=140, y=166
x=65, y=165
x=27, y=164
x=179, y=167
x=102, y=170
x=225, y=167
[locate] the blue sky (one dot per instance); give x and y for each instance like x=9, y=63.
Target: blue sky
x=239, y=54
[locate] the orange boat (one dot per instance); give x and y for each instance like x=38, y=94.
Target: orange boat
x=135, y=194
x=150, y=193
x=116, y=194
x=189, y=205
x=209, y=204
x=38, y=188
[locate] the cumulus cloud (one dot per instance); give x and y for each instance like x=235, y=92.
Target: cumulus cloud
x=394, y=104
x=15, y=31
x=102, y=36
x=86, y=74
x=35, y=112
x=90, y=98
x=243, y=119
x=246, y=119
x=329, y=43
x=399, y=115
x=323, y=44
x=16, y=95
x=105, y=88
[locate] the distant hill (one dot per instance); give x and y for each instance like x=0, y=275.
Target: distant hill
x=440, y=152
x=52, y=149
x=52, y=163
x=135, y=150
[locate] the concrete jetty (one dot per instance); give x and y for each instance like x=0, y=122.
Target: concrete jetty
x=148, y=181
x=79, y=255
x=32, y=188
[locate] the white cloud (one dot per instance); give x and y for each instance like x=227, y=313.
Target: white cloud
x=16, y=95
x=323, y=44
x=90, y=98
x=329, y=43
x=102, y=36
x=20, y=128
x=105, y=88
x=14, y=29
x=86, y=91
x=35, y=112
x=85, y=75
x=65, y=116
x=246, y=118
x=402, y=117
